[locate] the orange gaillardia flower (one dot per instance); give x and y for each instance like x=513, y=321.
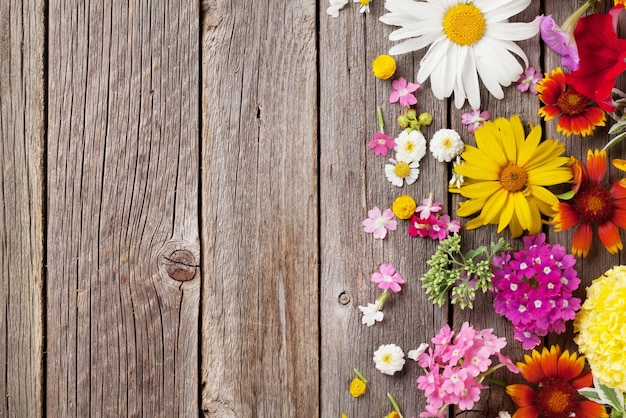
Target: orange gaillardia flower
x=556, y=377
x=593, y=205
x=576, y=113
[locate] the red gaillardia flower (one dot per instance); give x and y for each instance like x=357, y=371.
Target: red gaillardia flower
x=593, y=205
x=602, y=57
x=556, y=377
x=576, y=113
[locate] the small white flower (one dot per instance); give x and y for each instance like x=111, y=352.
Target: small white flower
x=365, y=5
x=371, y=313
x=414, y=354
x=402, y=169
x=389, y=358
x=335, y=6
x=410, y=145
x=446, y=145
x=503, y=414
x=457, y=179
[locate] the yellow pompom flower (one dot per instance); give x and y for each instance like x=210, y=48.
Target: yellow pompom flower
x=507, y=175
x=404, y=207
x=357, y=387
x=601, y=328
x=384, y=66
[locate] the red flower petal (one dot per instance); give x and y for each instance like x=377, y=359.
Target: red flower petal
x=602, y=57
x=529, y=411
x=565, y=218
x=609, y=235
x=570, y=365
x=596, y=165
x=581, y=242
x=585, y=380
x=589, y=409
x=522, y=395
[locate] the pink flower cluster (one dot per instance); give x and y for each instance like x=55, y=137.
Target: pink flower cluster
x=533, y=289
x=457, y=366
x=387, y=278
x=430, y=223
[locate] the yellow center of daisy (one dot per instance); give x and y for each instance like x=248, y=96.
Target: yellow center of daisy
x=447, y=143
x=464, y=24
x=513, y=178
x=572, y=102
x=556, y=399
x=402, y=169
x=386, y=358
x=364, y=2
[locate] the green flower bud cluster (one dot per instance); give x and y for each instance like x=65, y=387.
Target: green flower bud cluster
x=411, y=120
x=460, y=275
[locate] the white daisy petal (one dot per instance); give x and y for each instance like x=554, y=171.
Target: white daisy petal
x=466, y=41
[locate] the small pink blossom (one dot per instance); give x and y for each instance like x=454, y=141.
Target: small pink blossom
x=428, y=207
x=560, y=41
x=387, y=278
x=402, y=91
x=378, y=224
x=381, y=144
x=528, y=80
x=420, y=226
x=475, y=119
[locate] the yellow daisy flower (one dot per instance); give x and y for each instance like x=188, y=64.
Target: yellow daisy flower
x=507, y=175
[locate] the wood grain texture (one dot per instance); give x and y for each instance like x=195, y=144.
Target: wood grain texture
x=259, y=210
x=122, y=335
x=353, y=181
x=22, y=134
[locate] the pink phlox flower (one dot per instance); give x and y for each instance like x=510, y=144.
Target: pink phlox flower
x=430, y=383
x=438, y=230
x=402, y=91
x=379, y=223
x=387, y=278
x=475, y=119
x=428, y=207
x=420, y=227
x=528, y=339
x=560, y=41
x=454, y=379
x=479, y=361
x=444, y=336
x=381, y=144
x=528, y=80
x=508, y=363
x=432, y=411
x=491, y=341
x=452, y=225
x=470, y=395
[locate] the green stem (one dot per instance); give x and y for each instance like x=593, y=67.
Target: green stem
x=394, y=404
x=381, y=123
x=359, y=375
x=382, y=298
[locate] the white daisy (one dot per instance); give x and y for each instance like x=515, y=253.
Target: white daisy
x=468, y=40
x=410, y=145
x=402, y=169
x=457, y=179
x=365, y=5
x=389, y=358
x=446, y=145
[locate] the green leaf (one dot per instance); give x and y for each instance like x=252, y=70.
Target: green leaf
x=615, y=140
x=591, y=393
x=614, y=397
x=567, y=195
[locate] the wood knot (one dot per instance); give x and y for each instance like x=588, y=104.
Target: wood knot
x=178, y=260
x=181, y=265
x=344, y=298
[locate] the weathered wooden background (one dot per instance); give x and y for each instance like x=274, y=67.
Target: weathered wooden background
x=181, y=194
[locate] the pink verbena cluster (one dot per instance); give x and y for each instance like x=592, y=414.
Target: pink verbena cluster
x=533, y=289
x=429, y=223
x=457, y=366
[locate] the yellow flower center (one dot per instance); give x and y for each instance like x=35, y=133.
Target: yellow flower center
x=447, y=143
x=364, y=2
x=410, y=146
x=402, y=169
x=513, y=178
x=387, y=358
x=464, y=24
x=572, y=102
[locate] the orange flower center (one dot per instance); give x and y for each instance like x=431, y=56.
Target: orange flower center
x=594, y=204
x=572, y=102
x=556, y=399
x=513, y=178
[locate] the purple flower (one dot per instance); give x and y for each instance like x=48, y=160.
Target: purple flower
x=560, y=41
x=402, y=91
x=533, y=289
x=475, y=119
x=528, y=80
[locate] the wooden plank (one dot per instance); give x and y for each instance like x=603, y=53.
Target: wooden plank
x=123, y=244
x=352, y=181
x=259, y=207
x=22, y=130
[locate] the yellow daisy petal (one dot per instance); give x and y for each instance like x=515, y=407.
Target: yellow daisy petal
x=481, y=190
x=528, y=147
x=522, y=210
x=508, y=208
x=493, y=206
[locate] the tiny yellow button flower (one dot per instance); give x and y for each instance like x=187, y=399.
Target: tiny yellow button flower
x=384, y=66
